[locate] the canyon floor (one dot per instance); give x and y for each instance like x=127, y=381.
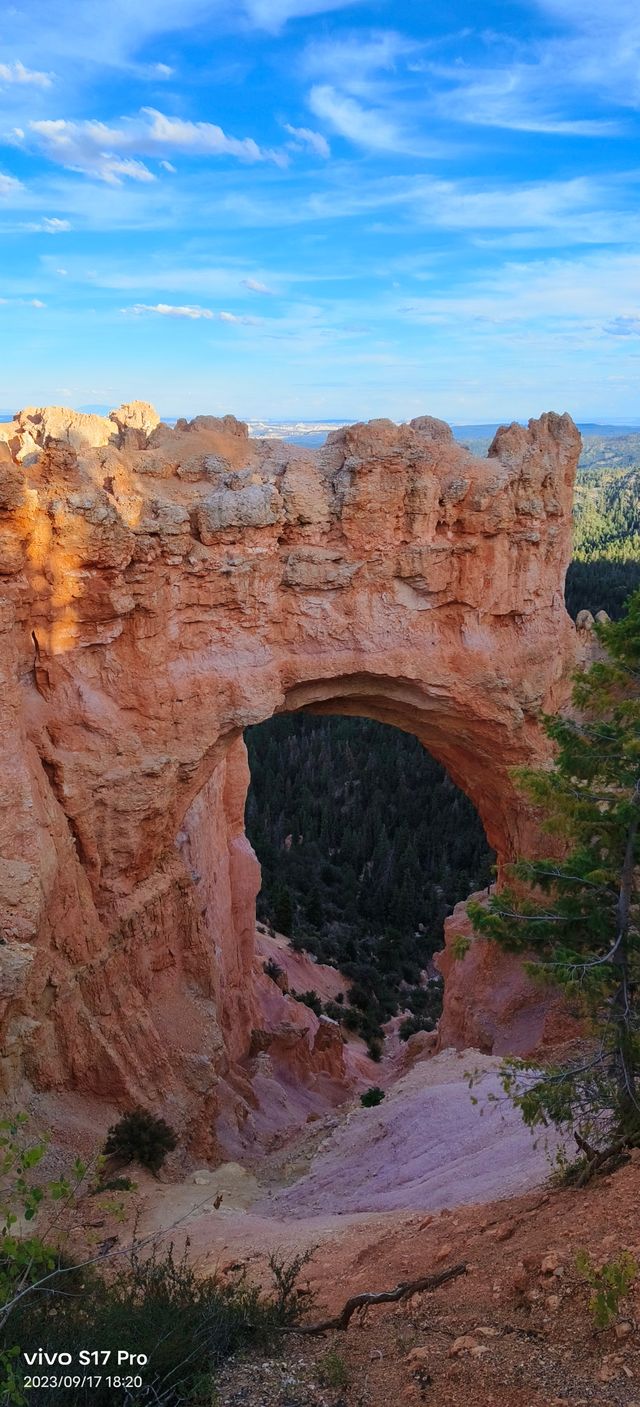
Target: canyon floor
x=388, y=1194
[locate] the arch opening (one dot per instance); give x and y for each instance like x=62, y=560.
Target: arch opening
x=365, y=844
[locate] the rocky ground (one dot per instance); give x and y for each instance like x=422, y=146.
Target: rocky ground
x=515, y=1331
x=386, y=1195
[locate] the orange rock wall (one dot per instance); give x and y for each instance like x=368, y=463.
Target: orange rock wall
x=164, y=588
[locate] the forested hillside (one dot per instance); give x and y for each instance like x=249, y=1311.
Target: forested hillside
x=606, y=565
x=365, y=843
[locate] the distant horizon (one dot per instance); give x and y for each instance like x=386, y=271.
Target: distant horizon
x=479, y=427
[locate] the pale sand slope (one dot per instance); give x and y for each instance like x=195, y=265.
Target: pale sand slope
x=426, y=1147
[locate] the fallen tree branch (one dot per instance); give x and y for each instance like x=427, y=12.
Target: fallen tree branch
x=601, y=1160
x=408, y=1287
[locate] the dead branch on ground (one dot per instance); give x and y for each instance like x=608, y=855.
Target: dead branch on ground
x=401, y=1292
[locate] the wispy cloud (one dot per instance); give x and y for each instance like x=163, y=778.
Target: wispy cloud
x=98, y=35
x=17, y=73
x=273, y=14
x=48, y=225
x=170, y=310
x=113, y=153
x=23, y=302
x=597, y=291
x=239, y=318
x=556, y=84
x=189, y=312
x=305, y=137
x=365, y=126
x=353, y=61
x=255, y=286
x=624, y=326
x=9, y=184
x=523, y=98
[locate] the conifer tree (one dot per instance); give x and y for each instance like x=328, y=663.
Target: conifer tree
x=578, y=917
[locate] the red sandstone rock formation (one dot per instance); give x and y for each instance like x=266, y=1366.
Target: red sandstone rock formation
x=164, y=588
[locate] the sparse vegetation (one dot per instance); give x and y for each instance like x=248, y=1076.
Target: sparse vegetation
x=609, y=1284
x=272, y=970
x=580, y=914
x=310, y=999
x=141, y=1137
x=372, y=1096
x=333, y=1371
x=146, y=1300
x=412, y=1024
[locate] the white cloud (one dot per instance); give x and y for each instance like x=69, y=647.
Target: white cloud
x=23, y=302
x=163, y=70
x=366, y=127
x=9, y=184
x=168, y=166
x=255, y=286
x=273, y=14
x=170, y=310
x=352, y=61
x=522, y=98
x=113, y=152
x=17, y=73
x=237, y=318
x=594, y=291
x=48, y=225
x=552, y=84
x=306, y=137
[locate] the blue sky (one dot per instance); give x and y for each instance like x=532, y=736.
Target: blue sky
x=322, y=208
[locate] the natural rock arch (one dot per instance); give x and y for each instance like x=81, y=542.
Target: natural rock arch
x=165, y=588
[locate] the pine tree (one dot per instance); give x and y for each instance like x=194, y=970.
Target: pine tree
x=580, y=915
x=283, y=910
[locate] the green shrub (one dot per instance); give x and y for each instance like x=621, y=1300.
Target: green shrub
x=333, y=1011
x=310, y=999
x=113, y=1184
x=333, y=1371
x=610, y=1284
x=372, y=1096
x=142, y=1138
x=412, y=1024
x=156, y=1305
x=272, y=969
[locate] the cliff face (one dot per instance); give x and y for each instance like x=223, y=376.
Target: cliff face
x=164, y=588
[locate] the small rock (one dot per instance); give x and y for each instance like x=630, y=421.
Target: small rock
x=202, y=1177
x=504, y=1232
x=479, y=1349
x=443, y=1253
x=550, y=1263
x=623, y=1329
x=464, y=1344
x=488, y=1330
x=418, y=1355
x=552, y=1302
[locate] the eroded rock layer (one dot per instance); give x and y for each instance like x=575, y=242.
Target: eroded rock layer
x=162, y=588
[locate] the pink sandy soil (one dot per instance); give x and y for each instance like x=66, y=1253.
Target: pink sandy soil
x=425, y=1148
